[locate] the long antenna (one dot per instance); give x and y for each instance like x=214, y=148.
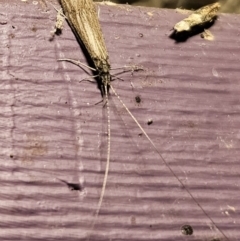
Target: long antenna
x=107, y=163
x=165, y=162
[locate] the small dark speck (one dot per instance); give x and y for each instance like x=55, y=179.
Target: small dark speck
x=191, y=124
x=58, y=32
x=140, y=134
x=34, y=29
x=187, y=229
x=66, y=102
x=133, y=220
x=150, y=226
x=138, y=99
x=11, y=156
x=11, y=35
x=149, y=122
x=13, y=26
x=74, y=186
x=140, y=35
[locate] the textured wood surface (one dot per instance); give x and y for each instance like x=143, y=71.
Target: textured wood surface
x=53, y=134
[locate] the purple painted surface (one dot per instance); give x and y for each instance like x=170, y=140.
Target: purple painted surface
x=52, y=131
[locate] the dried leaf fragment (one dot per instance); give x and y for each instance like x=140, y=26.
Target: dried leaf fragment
x=199, y=17
x=183, y=11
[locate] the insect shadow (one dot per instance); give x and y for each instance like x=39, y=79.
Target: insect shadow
x=196, y=30
x=72, y=186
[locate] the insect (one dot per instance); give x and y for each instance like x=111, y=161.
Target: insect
x=201, y=16
x=82, y=17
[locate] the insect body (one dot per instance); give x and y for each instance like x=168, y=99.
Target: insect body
x=82, y=17
x=199, y=17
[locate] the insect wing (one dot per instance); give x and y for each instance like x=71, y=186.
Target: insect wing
x=82, y=17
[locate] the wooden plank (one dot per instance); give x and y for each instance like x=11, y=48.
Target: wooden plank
x=52, y=131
